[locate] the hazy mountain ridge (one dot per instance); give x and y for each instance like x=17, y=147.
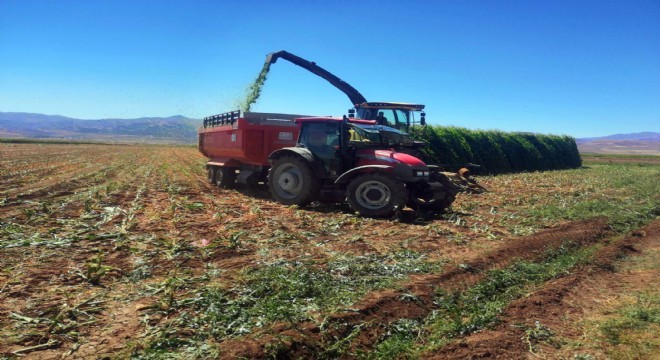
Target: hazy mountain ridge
x=179, y=129
x=640, y=136
x=642, y=143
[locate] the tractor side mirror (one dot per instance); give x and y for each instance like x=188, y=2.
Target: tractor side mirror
x=351, y=113
x=422, y=118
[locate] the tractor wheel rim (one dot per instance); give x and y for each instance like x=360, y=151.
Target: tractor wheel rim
x=289, y=181
x=373, y=194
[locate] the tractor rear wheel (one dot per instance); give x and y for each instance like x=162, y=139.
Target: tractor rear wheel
x=292, y=182
x=376, y=194
x=225, y=177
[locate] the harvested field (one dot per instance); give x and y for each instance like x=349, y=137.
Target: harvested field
x=626, y=159
x=127, y=251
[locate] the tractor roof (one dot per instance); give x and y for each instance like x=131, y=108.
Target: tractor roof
x=330, y=118
x=391, y=105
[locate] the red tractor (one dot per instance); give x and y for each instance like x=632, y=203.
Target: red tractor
x=358, y=160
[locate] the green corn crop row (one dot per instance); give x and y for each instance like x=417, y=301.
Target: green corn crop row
x=497, y=151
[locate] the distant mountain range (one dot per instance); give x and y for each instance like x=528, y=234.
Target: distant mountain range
x=183, y=130
x=643, y=143
x=173, y=129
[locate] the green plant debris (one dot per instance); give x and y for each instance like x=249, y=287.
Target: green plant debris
x=194, y=266
x=254, y=90
x=286, y=291
x=463, y=312
x=63, y=320
x=635, y=317
x=538, y=334
x=95, y=270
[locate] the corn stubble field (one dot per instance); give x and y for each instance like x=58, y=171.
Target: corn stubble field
x=127, y=251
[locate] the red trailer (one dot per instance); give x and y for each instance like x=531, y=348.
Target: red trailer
x=238, y=145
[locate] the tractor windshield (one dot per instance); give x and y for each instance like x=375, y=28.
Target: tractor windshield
x=379, y=135
x=396, y=118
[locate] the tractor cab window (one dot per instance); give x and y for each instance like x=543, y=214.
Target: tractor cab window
x=378, y=135
x=396, y=118
x=364, y=134
x=320, y=138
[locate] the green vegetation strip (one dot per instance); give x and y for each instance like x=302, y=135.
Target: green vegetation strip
x=283, y=291
x=463, y=312
x=497, y=151
x=639, y=316
x=626, y=194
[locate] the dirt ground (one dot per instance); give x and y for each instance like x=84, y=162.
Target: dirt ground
x=564, y=302
x=92, y=237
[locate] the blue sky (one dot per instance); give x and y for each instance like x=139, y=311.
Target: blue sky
x=582, y=68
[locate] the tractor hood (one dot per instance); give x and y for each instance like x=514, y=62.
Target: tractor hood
x=387, y=157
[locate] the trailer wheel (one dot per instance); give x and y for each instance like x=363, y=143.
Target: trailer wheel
x=376, y=194
x=292, y=182
x=211, y=174
x=225, y=177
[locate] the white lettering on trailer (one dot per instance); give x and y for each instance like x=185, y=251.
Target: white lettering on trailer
x=285, y=135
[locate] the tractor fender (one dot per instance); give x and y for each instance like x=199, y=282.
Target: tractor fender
x=303, y=153
x=350, y=174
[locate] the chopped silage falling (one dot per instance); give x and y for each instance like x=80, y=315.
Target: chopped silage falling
x=254, y=90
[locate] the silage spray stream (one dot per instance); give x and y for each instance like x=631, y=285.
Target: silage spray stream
x=254, y=90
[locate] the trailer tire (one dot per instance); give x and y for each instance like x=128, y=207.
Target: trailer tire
x=291, y=181
x=225, y=177
x=376, y=194
x=211, y=174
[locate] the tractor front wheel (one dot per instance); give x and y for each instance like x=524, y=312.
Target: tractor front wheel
x=292, y=182
x=376, y=194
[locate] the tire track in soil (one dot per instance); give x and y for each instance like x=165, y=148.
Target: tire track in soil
x=549, y=305
x=384, y=307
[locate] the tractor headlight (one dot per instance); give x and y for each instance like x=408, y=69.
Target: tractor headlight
x=420, y=173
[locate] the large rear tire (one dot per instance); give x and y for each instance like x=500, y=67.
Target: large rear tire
x=376, y=194
x=292, y=182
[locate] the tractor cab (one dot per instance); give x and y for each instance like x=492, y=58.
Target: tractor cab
x=396, y=115
x=342, y=144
